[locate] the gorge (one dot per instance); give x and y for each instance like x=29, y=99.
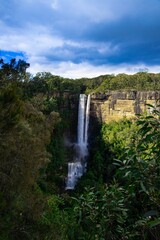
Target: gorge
x=118, y=196
x=104, y=108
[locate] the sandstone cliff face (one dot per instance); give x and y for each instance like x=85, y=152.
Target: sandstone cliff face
x=117, y=105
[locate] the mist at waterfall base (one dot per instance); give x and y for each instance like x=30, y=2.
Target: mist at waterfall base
x=78, y=167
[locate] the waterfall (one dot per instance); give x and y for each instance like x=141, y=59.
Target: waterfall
x=81, y=119
x=78, y=167
x=87, y=120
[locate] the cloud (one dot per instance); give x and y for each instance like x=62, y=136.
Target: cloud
x=71, y=70
x=40, y=44
x=94, y=35
x=34, y=39
x=55, y=4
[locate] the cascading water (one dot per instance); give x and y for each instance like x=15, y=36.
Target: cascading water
x=87, y=120
x=77, y=168
x=81, y=119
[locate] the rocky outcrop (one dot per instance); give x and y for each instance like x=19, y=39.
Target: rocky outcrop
x=110, y=106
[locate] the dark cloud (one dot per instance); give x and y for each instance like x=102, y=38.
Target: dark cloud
x=98, y=32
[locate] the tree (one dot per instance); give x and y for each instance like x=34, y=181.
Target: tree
x=24, y=134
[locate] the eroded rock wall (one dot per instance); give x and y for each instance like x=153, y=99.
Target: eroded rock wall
x=111, y=106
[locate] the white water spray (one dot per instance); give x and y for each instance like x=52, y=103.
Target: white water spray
x=77, y=168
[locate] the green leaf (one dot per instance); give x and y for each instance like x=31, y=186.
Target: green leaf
x=149, y=117
x=149, y=105
x=127, y=173
x=144, y=188
x=154, y=223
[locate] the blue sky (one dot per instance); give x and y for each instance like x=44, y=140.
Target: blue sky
x=82, y=38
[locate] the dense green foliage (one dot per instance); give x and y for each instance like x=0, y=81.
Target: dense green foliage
x=126, y=206
x=117, y=198
x=140, y=81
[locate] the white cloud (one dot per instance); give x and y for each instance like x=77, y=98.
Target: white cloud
x=108, y=49
x=38, y=42
x=71, y=70
x=55, y=4
x=34, y=40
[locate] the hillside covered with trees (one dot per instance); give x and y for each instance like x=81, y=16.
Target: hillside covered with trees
x=117, y=198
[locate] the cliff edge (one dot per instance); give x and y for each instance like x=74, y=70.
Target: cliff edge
x=115, y=105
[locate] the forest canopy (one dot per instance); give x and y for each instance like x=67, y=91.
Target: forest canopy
x=117, y=198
